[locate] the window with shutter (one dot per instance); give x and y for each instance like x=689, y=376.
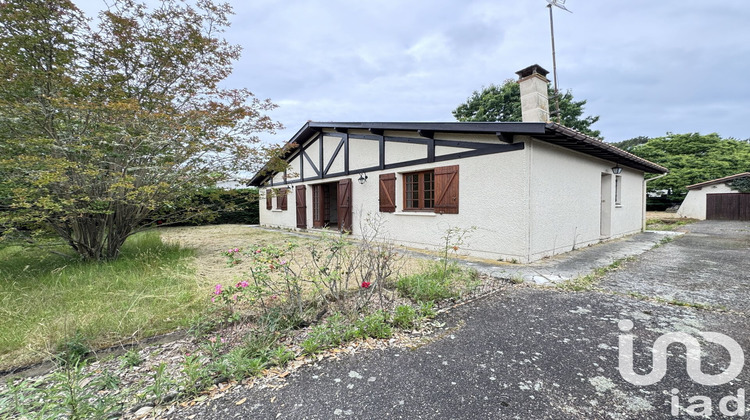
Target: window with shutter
x=419, y=191
x=281, y=198
x=269, y=200
x=387, y=193
x=446, y=189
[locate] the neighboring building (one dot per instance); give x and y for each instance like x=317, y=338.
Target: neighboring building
x=715, y=200
x=532, y=189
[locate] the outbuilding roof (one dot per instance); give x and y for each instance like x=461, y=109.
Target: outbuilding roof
x=549, y=132
x=717, y=181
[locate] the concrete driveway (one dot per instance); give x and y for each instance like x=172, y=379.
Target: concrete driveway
x=539, y=353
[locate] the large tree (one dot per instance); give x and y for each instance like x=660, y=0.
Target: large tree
x=692, y=158
x=103, y=125
x=503, y=103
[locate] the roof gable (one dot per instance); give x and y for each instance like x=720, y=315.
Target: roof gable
x=718, y=181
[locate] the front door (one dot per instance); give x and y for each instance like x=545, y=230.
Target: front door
x=332, y=205
x=605, y=218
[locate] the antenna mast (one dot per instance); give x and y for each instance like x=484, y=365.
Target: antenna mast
x=560, y=4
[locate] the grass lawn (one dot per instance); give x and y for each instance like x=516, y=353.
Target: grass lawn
x=162, y=282
x=46, y=299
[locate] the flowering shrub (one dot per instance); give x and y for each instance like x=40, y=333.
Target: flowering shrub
x=233, y=256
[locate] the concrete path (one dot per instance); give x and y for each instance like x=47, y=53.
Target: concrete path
x=578, y=263
x=539, y=353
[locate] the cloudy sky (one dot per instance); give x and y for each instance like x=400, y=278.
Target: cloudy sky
x=645, y=67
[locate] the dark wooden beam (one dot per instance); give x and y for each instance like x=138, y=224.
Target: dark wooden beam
x=341, y=130
x=504, y=137
x=320, y=157
x=376, y=131
x=381, y=152
x=426, y=133
x=346, y=154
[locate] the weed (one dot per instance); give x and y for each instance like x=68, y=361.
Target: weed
x=585, y=283
x=335, y=331
x=516, y=279
x=73, y=350
x=195, y=377
x=131, y=358
x=665, y=240
x=162, y=384
x=281, y=355
x=374, y=325
x=405, y=317
x=427, y=309
x=239, y=365
x=437, y=282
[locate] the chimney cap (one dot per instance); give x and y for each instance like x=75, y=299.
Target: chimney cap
x=528, y=71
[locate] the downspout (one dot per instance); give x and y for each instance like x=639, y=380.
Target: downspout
x=645, y=197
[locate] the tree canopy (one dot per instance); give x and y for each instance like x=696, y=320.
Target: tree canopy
x=693, y=158
x=503, y=103
x=101, y=126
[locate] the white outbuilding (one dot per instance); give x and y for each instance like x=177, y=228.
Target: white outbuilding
x=532, y=189
x=716, y=200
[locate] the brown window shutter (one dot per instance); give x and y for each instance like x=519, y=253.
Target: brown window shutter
x=281, y=198
x=301, y=205
x=345, y=205
x=446, y=189
x=388, y=193
x=269, y=202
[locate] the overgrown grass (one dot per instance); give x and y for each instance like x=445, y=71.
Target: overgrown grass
x=437, y=281
x=668, y=224
x=47, y=300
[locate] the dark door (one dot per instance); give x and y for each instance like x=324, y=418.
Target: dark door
x=345, y=205
x=728, y=206
x=301, y=205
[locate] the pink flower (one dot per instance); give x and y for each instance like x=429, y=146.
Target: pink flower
x=365, y=284
x=257, y=251
x=217, y=289
x=274, y=297
x=213, y=300
x=243, y=284
x=283, y=262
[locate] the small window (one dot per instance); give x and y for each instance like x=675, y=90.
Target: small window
x=281, y=198
x=419, y=191
x=618, y=190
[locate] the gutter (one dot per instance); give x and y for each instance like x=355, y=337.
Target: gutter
x=645, y=196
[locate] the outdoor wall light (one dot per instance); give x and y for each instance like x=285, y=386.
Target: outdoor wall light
x=362, y=178
x=617, y=170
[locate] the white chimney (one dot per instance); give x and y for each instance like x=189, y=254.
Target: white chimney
x=534, y=101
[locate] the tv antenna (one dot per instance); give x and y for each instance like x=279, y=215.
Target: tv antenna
x=561, y=5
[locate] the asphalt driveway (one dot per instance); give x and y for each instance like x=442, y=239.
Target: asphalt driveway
x=539, y=353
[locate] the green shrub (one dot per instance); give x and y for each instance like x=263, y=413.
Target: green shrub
x=239, y=206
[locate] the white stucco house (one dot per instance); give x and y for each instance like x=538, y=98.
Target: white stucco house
x=532, y=189
x=716, y=200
